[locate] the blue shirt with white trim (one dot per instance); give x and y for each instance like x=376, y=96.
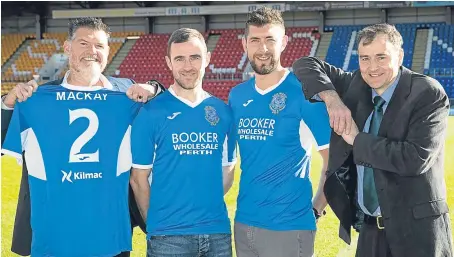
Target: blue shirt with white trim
x=77, y=151
x=276, y=128
x=185, y=144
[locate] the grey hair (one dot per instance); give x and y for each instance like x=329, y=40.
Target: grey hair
x=184, y=35
x=369, y=33
x=87, y=22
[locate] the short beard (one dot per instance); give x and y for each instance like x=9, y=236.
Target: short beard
x=94, y=71
x=264, y=69
x=90, y=74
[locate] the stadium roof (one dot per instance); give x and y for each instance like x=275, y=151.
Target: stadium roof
x=43, y=8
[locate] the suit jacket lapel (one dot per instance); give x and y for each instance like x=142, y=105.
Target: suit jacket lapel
x=397, y=101
x=115, y=87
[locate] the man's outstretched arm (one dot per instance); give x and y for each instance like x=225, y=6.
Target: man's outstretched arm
x=322, y=81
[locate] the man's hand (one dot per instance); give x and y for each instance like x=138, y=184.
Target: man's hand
x=350, y=138
x=318, y=214
x=21, y=92
x=340, y=117
x=141, y=92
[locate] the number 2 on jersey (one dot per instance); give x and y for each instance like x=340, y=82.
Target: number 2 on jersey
x=93, y=123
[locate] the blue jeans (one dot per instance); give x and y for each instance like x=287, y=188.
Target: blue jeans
x=213, y=245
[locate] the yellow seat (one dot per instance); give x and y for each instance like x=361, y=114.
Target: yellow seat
x=10, y=43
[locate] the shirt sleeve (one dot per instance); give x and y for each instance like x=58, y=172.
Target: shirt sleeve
x=15, y=137
x=4, y=107
x=143, y=140
x=315, y=115
x=229, y=153
x=316, y=97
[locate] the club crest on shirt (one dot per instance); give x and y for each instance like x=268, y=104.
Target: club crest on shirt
x=278, y=102
x=211, y=115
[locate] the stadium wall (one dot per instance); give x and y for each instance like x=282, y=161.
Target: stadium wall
x=413, y=15
x=170, y=23
x=23, y=24
x=27, y=24
x=352, y=17
x=116, y=24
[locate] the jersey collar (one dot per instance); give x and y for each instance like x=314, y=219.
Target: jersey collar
x=266, y=91
x=204, y=96
x=105, y=82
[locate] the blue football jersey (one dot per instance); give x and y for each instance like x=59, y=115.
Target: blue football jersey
x=276, y=128
x=78, y=154
x=186, y=146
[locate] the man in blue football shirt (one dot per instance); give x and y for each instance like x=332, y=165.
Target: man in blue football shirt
x=87, y=48
x=183, y=147
x=275, y=212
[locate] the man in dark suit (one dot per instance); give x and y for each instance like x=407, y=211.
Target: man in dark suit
x=387, y=147
x=88, y=51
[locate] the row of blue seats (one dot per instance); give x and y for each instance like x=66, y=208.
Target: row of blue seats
x=440, y=72
x=412, y=26
x=448, y=85
x=441, y=51
x=440, y=57
x=408, y=46
x=445, y=27
x=342, y=35
x=339, y=44
x=442, y=62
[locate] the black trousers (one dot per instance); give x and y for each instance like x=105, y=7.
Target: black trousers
x=372, y=242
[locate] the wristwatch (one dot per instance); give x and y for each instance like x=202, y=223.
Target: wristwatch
x=318, y=215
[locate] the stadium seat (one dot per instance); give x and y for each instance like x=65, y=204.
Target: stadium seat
x=146, y=61
x=10, y=43
x=342, y=35
x=442, y=54
x=301, y=43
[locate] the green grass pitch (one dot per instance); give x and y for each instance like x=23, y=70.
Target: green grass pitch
x=327, y=242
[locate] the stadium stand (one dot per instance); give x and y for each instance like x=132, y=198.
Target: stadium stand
x=227, y=55
x=10, y=43
x=31, y=60
x=442, y=54
x=38, y=52
x=146, y=58
x=7, y=86
x=340, y=43
x=343, y=49
x=303, y=41
x=220, y=89
x=448, y=85
x=408, y=32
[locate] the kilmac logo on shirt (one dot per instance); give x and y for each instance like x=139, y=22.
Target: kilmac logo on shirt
x=70, y=176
